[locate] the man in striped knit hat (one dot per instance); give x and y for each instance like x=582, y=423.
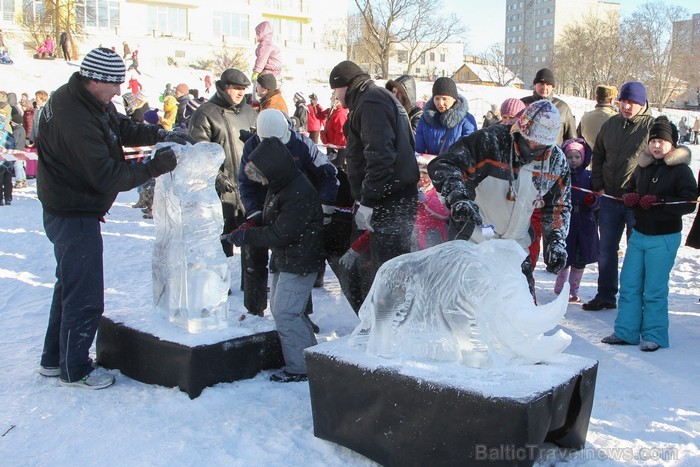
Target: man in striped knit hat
x=81, y=170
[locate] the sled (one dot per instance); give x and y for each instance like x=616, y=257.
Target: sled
x=45, y=56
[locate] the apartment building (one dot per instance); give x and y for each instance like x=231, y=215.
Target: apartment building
x=534, y=26
x=311, y=36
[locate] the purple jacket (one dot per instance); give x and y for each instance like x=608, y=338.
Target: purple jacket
x=582, y=240
x=267, y=53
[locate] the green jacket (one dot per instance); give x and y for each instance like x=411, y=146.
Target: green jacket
x=616, y=150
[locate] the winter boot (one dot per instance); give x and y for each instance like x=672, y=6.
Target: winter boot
x=574, y=282
x=148, y=200
x=561, y=280
x=141, y=203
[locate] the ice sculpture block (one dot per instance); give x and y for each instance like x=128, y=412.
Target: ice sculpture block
x=463, y=302
x=190, y=272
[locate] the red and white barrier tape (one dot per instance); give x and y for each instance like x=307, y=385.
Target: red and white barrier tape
x=11, y=155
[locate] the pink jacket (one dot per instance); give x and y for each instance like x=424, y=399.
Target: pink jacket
x=431, y=215
x=267, y=53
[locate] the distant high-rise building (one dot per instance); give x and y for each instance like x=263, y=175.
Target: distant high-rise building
x=534, y=26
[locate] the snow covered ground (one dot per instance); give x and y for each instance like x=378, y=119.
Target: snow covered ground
x=646, y=410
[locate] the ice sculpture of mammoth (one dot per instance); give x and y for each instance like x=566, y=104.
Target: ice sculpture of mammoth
x=460, y=302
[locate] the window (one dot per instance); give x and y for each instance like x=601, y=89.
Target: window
x=443, y=58
x=432, y=56
x=231, y=25
x=171, y=21
x=102, y=14
x=422, y=59
x=402, y=56
x=286, y=31
x=8, y=10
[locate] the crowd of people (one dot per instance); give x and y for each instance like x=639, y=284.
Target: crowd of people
x=372, y=176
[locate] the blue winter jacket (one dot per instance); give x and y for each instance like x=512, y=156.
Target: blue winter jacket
x=436, y=131
x=307, y=158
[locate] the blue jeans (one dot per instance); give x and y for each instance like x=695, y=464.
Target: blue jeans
x=78, y=296
x=643, y=305
x=612, y=219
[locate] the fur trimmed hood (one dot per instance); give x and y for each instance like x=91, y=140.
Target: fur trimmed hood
x=677, y=156
x=450, y=118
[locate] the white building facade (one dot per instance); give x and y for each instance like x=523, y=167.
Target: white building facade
x=184, y=31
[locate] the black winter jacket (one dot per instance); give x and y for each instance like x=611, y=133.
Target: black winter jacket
x=81, y=161
x=669, y=179
x=380, y=148
x=292, y=215
x=219, y=120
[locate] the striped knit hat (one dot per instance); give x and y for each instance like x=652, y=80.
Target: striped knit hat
x=103, y=65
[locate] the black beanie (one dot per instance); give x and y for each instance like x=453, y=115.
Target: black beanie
x=343, y=73
x=664, y=129
x=445, y=87
x=544, y=75
x=267, y=81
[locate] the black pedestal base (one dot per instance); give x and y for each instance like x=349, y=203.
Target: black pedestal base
x=148, y=359
x=403, y=420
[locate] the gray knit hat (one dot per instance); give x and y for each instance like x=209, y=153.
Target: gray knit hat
x=103, y=65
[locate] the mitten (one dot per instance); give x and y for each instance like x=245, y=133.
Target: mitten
x=590, y=199
x=254, y=218
x=555, y=256
x=164, y=161
x=630, y=199
x=178, y=137
x=245, y=135
x=465, y=212
x=254, y=76
x=223, y=185
x=363, y=216
x=349, y=258
x=647, y=201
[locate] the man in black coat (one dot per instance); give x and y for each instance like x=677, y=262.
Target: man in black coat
x=81, y=170
x=382, y=167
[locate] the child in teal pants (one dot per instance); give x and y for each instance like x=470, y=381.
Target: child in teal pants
x=659, y=191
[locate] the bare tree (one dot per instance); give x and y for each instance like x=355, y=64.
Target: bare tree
x=588, y=54
x=415, y=24
x=496, y=70
x=50, y=19
x=649, y=31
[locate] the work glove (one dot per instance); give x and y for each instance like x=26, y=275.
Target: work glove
x=223, y=185
x=328, y=211
x=165, y=136
x=163, y=161
x=349, y=258
x=363, y=216
x=237, y=237
x=647, y=201
x=555, y=256
x=465, y=212
x=630, y=199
